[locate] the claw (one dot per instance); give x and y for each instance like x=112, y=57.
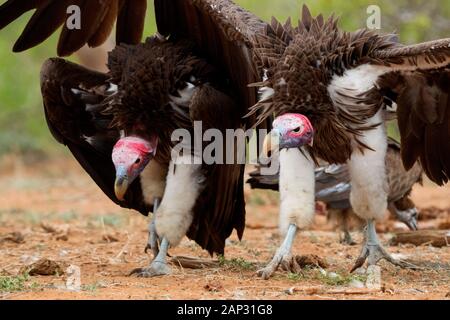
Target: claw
x=374, y=252
x=155, y=269
x=282, y=257
x=158, y=267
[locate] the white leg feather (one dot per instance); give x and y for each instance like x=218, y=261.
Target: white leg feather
x=296, y=189
x=368, y=174
x=174, y=216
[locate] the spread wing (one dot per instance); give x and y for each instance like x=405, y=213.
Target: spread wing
x=73, y=104
x=222, y=33
x=418, y=80
x=97, y=19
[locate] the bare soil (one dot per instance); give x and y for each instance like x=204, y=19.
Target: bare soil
x=52, y=210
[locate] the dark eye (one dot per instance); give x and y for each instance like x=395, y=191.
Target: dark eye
x=138, y=160
x=296, y=130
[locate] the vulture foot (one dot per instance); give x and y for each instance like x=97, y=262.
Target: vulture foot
x=282, y=257
x=285, y=261
x=348, y=240
x=155, y=269
x=373, y=251
x=158, y=267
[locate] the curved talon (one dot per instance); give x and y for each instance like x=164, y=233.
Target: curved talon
x=286, y=263
x=375, y=253
x=282, y=257
x=159, y=266
x=155, y=269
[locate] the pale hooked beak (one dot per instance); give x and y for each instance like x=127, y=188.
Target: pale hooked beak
x=271, y=142
x=409, y=217
x=121, y=183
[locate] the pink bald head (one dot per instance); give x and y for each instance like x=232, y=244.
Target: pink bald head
x=294, y=130
x=130, y=156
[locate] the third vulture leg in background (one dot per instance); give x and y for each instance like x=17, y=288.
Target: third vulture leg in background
x=153, y=239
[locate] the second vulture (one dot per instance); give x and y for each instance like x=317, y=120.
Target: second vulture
x=329, y=90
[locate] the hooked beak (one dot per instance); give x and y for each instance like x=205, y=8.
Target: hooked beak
x=409, y=217
x=121, y=183
x=271, y=142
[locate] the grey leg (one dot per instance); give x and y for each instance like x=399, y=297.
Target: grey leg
x=158, y=266
x=153, y=238
x=282, y=256
x=348, y=240
x=345, y=229
x=374, y=252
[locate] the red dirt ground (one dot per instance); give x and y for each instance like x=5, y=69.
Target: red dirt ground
x=64, y=217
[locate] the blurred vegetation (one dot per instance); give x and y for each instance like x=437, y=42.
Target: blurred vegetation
x=22, y=123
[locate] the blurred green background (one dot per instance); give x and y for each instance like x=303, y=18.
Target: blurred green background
x=22, y=124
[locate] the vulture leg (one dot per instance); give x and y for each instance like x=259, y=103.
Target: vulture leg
x=373, y=251
x=282, y=256
x=297, y=205
x=152, y=243
x=369, y=192
x=408, y=216
x=159, y=266
x=342, y=220
x=348, y=240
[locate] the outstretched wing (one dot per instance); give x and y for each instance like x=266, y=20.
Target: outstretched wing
x=73, y=102
x=222, y=33
x=97, y=18
x=418, y=80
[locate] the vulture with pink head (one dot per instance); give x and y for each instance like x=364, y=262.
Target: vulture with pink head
x=329, y=91
x=119, y=125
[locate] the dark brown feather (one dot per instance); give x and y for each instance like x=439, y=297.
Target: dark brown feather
x=98, y=17
x=131, y=20
x=70, y=122
x=423, y=112
x=301, y=63
x=223, y=33
x=104, y=30
x=13, y=9
x=93, y=12
x=49, y=16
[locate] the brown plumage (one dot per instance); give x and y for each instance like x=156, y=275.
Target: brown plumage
x=303, y=61
x=98, y=19
x=204, y=43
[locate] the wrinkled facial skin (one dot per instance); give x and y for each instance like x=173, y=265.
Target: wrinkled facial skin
x=130, y=157
x=293, y=130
